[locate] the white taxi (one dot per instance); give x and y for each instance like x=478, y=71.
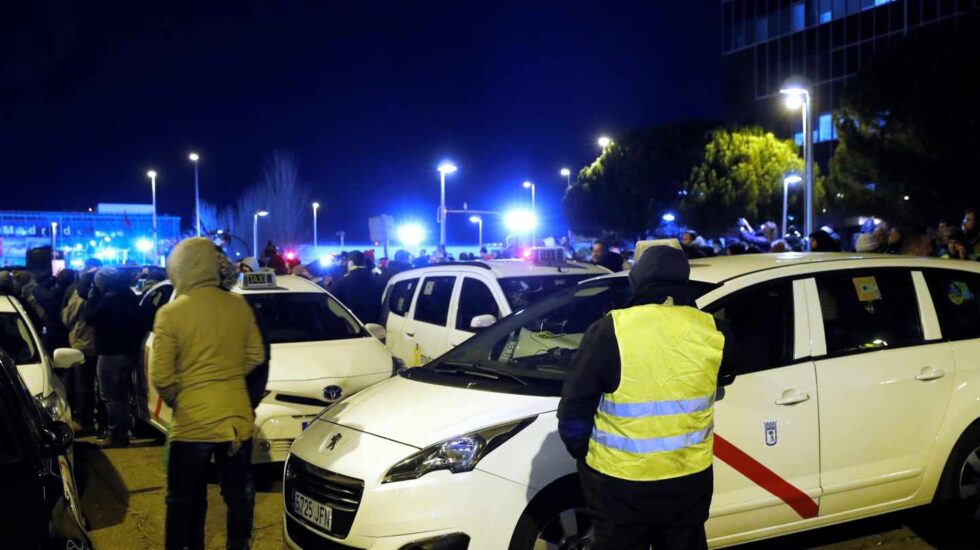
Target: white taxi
x=427, y=311
x=864, y=399
x=319, y=353
x=22, y=342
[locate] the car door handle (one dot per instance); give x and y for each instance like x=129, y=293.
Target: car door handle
x=410, y=334
x=929, y=373
x=792, y=397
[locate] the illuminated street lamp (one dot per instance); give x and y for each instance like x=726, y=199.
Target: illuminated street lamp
x=604, y=141
x=790, y=179
x=568, y=176
x=798, y=96
x=54, y=236
x=479, y=221
x=529, y=185
x=444, y=168
x=316, y=206
x=255, y=232
x=152, y=174
x=197, y=192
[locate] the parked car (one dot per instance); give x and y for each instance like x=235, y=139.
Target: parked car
x=320, y=353
x=22, y=342
x=39, y=505
x=865, y=399
x=427, y=311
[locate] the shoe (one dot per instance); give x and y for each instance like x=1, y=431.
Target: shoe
x=113, y=443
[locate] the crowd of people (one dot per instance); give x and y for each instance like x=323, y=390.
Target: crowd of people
x=947, y=240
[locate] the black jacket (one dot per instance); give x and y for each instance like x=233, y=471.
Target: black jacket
x=359, y=290
x=116, y=320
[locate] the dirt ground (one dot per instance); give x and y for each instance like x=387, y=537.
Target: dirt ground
x=123, y=499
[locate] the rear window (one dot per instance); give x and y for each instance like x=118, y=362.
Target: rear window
x=524, y=291
x=16, y=339
x=954, y=294
x=400, y=299
x=303, y=317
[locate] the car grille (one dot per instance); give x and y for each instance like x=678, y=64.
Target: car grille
x=280, y=446
x=308, y=540
x=341, y=493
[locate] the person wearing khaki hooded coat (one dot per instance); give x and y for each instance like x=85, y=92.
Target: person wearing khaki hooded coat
x=205, y=342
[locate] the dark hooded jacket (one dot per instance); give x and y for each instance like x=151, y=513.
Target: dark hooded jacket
x=659, y=276
x=112, y=310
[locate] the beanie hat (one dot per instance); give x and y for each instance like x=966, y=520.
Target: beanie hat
x=660, y=264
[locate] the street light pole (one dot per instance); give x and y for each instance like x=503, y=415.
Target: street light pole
x=153, y=189
x=316, y=206
x=255, y=233
x=530, y=185
x=444, y=168
x=798, y=96
x=788, y=180
x=197, y=192
x=479, y=221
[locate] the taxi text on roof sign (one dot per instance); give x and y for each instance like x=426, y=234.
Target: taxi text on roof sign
x=257, y=280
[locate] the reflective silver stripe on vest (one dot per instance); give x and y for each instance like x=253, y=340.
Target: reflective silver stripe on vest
x=653, y=444
x=656, y=408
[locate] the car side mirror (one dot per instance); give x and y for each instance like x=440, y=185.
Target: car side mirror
x=482, y=321
x=66, y=358
x=56, y=438
x=377, y=331
x=726, y=379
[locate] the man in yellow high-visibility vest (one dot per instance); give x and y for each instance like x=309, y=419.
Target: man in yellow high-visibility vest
x=637, y=411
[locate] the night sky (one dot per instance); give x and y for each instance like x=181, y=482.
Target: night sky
x=368, y=96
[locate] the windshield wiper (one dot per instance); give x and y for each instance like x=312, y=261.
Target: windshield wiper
x=476, y=370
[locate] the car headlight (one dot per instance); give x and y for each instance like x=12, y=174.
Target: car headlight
x=55, y=406
x=458, y=454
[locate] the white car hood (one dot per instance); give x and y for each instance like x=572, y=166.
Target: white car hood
x=420, y=414
x=329, y=359
x=35, y=377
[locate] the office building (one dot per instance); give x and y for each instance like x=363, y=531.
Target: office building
x=115, y=234
x=764, y=42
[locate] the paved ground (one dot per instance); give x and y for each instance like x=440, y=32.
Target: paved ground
x=123, y=498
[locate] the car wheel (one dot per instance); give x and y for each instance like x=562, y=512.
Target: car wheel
x=958, y=497
x=555, y=521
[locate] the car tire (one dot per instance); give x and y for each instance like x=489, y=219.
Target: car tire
x=556, y=518
x=957, y=499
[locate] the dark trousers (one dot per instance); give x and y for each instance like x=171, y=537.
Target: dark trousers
x=115, y=374
x=638, y=536
x=635, y=515
x=85, y=395
x=187, y=493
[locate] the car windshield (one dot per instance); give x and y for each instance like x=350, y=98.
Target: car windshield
x=524, y=291
x=16, y=339
x=290, y=317
x=530, y=351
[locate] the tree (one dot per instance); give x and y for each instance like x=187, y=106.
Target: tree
x=285, y=198
x=909, y=126
x=740, y=174
x=634, y=181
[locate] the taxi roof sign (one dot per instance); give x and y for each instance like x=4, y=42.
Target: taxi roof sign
x=642, y=246
x=257, y=280
x=548, y=255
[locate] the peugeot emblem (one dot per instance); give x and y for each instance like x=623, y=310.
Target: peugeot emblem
x=333, y=393
x=333, y=442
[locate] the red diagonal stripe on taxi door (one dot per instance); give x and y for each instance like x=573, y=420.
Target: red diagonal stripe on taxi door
x=762, y=476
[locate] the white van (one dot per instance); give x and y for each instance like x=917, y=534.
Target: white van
x=320, y=353
x=427, y=311
x=22, y=342
x=865, y=400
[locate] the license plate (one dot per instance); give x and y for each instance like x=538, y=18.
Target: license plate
x=312, y=511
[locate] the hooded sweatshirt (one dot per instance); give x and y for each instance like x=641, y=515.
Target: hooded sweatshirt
x=205, y=342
